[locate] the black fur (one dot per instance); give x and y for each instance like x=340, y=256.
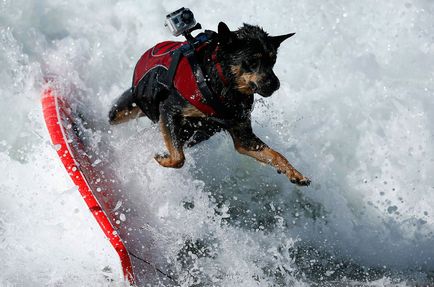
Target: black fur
x=247, y=57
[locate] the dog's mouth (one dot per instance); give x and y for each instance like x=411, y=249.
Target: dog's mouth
x=265, y=94
x=267, y=88
x=253, y=86
x=263, y=91
x=255, y=89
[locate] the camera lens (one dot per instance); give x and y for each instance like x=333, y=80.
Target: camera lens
x=187, y=17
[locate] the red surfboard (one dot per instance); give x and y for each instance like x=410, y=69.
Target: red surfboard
x=103, y=193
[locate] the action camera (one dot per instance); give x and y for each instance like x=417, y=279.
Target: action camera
x=180, y=21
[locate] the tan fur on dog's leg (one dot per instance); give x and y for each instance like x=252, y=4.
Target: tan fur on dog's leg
x=272, y=157
x=175, y=158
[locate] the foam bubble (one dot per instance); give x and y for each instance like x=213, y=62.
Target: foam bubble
x=354, y=113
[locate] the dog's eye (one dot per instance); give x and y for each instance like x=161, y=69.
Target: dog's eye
x=252, y=63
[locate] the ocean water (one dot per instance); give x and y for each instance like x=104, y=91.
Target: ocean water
x=355, y=113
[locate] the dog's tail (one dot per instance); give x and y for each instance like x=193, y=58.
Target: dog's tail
x=124, y=109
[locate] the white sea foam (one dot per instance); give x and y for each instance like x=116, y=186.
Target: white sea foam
x=355, y=112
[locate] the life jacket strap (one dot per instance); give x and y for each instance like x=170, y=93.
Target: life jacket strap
x=200, y=39
x=188, y=50
x=176, y=56
x=218, y=67
x=209, y=97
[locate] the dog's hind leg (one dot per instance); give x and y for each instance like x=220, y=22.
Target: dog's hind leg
x=124, y=109
x=175, y=158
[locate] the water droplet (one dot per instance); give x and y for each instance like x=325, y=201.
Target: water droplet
x=122, y=217
x=392, y=209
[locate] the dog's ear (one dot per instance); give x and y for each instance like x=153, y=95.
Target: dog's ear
x=277, y=40
x=225, y=36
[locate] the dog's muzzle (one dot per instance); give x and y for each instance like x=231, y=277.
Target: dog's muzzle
x=268, y=87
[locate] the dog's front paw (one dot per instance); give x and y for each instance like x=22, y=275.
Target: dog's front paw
x=161, y=158
x=300, y=180
x=166, y=161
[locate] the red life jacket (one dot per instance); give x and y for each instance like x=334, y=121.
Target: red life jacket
x=184, y=81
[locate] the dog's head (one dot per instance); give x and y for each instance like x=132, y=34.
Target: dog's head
x=250, y=54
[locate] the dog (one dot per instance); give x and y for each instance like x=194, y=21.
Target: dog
x=245, y=59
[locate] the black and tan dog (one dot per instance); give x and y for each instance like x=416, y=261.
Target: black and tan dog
x=247, y=57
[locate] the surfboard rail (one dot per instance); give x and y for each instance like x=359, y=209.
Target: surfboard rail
x=50, y=106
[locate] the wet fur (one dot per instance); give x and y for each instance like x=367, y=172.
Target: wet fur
x=247, y=57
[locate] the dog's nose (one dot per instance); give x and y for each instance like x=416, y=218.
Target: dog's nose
x=270, y=86
x=274, y=82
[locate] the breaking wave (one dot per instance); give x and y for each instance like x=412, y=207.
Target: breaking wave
x=355, y=112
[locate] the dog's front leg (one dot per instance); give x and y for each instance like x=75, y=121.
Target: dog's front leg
x=175, y=158
x=246, y=142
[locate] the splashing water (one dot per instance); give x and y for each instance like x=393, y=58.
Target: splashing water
x=355, y=112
